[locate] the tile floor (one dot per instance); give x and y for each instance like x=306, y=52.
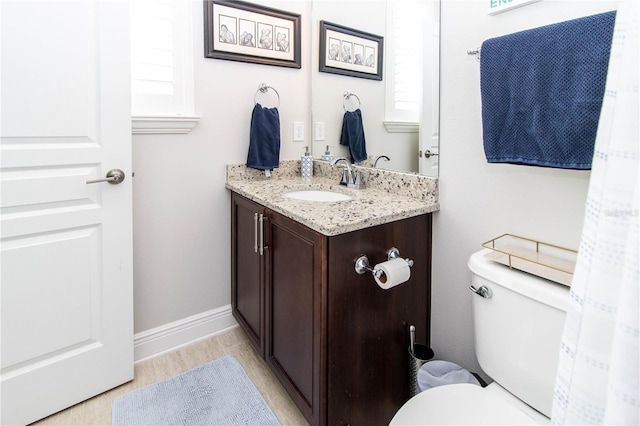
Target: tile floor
x=97, y=410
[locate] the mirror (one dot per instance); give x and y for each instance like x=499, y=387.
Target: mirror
x=400, y=141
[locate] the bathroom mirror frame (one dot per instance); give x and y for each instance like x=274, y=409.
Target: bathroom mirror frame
x=400, y=140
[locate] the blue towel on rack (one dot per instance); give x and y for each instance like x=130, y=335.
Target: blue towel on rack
x=353, y=135
x=264, y=138
x=542, y=92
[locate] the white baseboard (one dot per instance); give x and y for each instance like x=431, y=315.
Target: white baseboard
x=169, y=337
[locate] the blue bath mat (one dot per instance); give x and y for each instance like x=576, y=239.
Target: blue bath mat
x=216, y=393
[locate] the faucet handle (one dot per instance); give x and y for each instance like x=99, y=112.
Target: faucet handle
x=346, y=177
x=356, y=181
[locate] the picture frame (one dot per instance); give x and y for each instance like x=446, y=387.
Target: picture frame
x=350, y=52
x=246, y=32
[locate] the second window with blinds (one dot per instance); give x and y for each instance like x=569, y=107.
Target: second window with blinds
x=412, y=64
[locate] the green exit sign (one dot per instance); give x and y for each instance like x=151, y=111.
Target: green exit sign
x=497, y=6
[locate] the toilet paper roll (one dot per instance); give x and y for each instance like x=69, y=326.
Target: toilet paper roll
x=394, y=272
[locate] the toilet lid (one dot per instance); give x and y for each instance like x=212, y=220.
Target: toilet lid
x=459, y=404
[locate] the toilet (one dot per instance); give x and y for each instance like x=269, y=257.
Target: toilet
x=518, y=321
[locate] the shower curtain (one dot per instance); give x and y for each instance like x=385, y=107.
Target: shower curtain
x=597, y=379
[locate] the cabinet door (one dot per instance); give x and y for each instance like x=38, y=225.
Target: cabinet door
x=247, y=289
x=296, y=309
x=368, y=377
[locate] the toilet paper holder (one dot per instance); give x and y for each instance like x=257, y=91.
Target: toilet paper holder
x=362, y=262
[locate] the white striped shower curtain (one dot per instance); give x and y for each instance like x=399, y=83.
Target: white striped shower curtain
x=597, y=380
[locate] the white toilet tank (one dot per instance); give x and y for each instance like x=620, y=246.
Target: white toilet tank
x=518, y=329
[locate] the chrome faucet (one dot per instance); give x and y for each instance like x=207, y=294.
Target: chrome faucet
x=346, y=173
x=384, y=157
x=350, y=177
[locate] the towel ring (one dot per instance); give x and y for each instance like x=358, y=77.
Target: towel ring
x=263, y=88
x=347, y=95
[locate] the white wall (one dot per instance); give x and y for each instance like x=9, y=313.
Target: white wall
x=181, y=208
x=478, y=200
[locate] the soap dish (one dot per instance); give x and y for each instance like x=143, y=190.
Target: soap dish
x=545, y=260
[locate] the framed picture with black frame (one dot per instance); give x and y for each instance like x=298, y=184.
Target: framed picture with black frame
x=246, y=32
x=350, y=52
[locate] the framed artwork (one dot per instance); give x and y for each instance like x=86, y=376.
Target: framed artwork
x=245, y=32
x=350, y=52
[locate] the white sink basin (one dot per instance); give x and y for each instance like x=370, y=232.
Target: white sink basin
x=317, y=195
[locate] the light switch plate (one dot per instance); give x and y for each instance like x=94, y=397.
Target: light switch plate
x=298, y=131
x=319, y=130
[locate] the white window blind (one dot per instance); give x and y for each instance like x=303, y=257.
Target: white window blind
x=161, y=58
x=405, y=35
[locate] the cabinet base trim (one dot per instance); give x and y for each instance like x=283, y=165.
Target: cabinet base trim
x=171, y=336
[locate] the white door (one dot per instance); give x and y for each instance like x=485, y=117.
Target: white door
x=428, y=163
x=66, y=246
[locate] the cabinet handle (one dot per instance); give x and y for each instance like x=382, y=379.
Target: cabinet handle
x=261, y=245
x=255, y=232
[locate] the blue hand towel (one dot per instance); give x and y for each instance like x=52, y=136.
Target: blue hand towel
x=353, y=135
x=264, y=139
x=542, y=92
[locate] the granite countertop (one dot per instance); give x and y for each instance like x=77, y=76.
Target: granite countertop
x=387, y=196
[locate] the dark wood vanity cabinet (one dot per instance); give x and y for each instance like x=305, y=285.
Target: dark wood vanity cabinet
x=295, y=312
x=367, y=338
x=336, y=341
x=247, y=270
x=278, y=297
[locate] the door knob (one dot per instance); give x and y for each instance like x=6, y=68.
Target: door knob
x=114, y=177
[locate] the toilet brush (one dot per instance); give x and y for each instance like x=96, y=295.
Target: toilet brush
x=412, y=336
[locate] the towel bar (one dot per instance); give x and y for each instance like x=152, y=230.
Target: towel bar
x=475, y=52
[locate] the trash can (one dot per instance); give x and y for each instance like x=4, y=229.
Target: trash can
x=439, y=373
x=418, y=356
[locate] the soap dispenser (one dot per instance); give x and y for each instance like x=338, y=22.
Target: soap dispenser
x=306, y=164
x=327, y=155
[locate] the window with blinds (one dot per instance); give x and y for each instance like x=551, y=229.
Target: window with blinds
x=405, y=35
x=161, y=58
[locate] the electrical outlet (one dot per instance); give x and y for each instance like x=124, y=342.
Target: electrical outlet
x=319, y=127
x=298, y=131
